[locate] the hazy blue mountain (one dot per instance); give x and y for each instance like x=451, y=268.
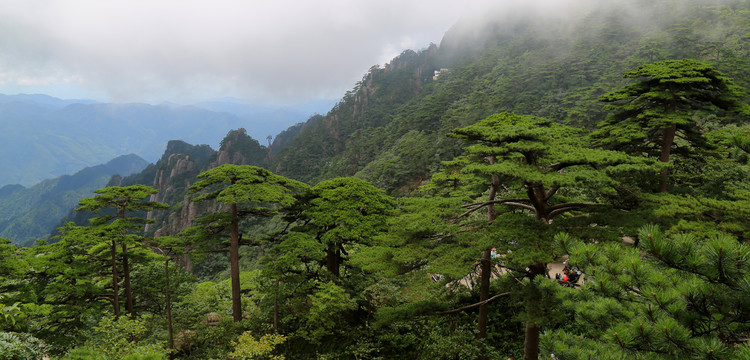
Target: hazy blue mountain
x=42, y=100
x=263, y=120
x=27, y=214
x=43, y=137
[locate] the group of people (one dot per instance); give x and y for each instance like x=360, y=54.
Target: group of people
x=569, y=276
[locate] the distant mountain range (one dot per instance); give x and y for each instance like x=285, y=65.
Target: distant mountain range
x=43, y=137
x=30, y=213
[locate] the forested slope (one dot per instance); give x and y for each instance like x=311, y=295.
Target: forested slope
x=389, y=129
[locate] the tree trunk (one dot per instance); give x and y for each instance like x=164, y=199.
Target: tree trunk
x=115, y=285
x=126, y=269
x=332, y=259
x=531, y=339
x=491, y=211
x=234, y=265
x=126, y=279
x=187, y=263
x=276, y=309
x=666, y=148
x=538, y=197
x=170, y=338
x=484, y=294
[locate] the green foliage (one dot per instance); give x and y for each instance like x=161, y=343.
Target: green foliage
x=536, y=165
x=122, y=199
x=8, y=315
x=151, y=352
x=703, y=216
x=15, y=346
x=408, y=286
x=248, y=348
x=65, y=286
x=669, y=93
x=244, y=183
x=516, y=63
x=340, y=214
x=148, y=284
x=680, y=298
x=349, y=209
x=460, y=343
x=242, y=146
x=248, y=191
x=118, y=339
x=330, y=306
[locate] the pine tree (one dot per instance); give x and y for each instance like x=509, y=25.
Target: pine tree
x=244, y=191
x=66, y=282
x=339, y=213
x=126, y=202
x=663, y=105
x=539, y=167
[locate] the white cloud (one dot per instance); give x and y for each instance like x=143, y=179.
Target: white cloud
x=170, y=50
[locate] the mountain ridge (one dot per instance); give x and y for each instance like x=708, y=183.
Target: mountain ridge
x=44, y=137
x=27, y=214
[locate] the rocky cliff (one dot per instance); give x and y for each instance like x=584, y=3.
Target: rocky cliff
x=179, y=167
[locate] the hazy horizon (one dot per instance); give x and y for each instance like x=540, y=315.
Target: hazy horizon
x=283, y=52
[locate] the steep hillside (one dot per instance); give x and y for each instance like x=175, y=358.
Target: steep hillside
x=390, y=128
x=27, y=214
x=371, y=105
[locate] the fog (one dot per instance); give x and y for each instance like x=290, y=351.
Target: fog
x=177, y=50
x=275, y=52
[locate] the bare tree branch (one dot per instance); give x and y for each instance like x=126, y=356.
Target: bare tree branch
x=560, y=208
x=551, y=192
x=474, y=305
x=525, y=206
x=509, y=202
x=485, y=203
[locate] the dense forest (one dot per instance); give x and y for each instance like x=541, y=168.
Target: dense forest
x=570, y=186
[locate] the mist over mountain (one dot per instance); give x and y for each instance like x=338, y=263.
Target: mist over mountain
x=41, y=100
x=552, y=59
x=43, y=137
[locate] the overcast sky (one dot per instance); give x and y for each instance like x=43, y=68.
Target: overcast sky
x=283, y=51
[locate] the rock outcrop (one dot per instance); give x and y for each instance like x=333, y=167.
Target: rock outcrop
x=178, y=169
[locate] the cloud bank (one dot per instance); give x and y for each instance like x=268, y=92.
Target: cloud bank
x=282, y=50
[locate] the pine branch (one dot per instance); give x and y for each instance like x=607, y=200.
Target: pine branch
x=551, y=192
x=474, y=305
x=509, y=202
x=562, y=165
x=485, y=203
x=561, y=208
